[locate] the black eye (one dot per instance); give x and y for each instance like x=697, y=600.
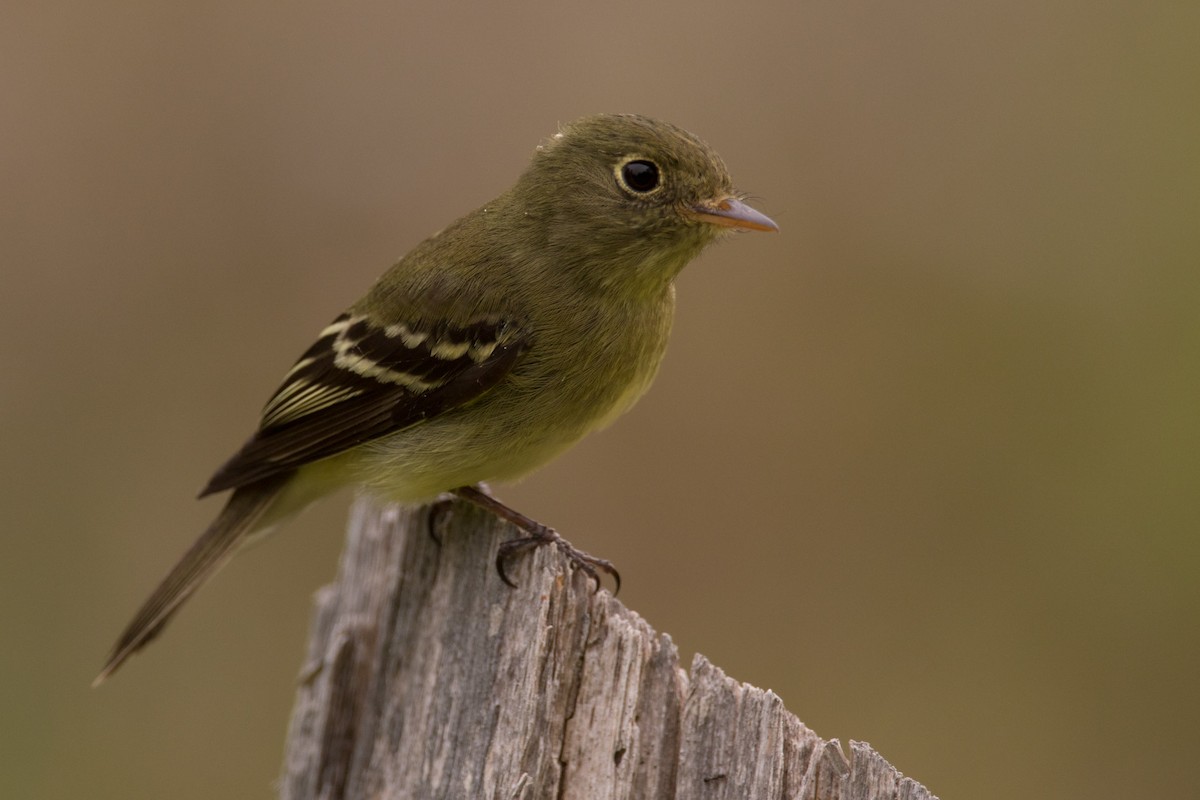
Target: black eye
x=640, y=176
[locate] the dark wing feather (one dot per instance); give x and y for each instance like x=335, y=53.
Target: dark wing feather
x=360, y=381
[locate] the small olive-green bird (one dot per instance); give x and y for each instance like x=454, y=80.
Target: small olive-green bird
x=486, y=351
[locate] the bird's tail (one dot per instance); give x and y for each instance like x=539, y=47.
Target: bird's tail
x=208, y=554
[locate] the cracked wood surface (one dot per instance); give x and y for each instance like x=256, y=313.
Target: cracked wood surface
x=427, y=677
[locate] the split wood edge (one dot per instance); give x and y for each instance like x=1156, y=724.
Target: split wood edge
x=427, y=677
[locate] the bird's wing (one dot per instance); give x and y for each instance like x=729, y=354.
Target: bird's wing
x=360, y=381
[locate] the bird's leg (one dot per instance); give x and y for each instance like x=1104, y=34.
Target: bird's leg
x=538, y=536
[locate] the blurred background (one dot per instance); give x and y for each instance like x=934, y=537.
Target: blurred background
x=925, y=463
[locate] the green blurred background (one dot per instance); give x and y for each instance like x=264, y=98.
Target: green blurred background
x=925, y=463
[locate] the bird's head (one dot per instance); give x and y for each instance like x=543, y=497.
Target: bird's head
x=630, y=200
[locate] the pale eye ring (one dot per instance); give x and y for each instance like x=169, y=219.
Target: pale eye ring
x=639, y=176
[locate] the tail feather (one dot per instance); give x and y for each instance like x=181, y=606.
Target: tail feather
x=207, y=555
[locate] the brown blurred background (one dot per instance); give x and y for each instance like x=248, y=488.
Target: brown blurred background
x=925, y=463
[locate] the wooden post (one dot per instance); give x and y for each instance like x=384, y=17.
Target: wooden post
x=427, y=677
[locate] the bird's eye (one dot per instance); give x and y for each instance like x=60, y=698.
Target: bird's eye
x=640, y=176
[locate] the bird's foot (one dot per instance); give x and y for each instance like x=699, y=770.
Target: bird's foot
x=539, y=535
x=435, y=521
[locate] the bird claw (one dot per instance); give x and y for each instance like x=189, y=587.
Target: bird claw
x=436, y=519
x=538, y=535
x=587, y=564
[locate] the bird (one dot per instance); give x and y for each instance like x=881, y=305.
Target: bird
x=489, y=349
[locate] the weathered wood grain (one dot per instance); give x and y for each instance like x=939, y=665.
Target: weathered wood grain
x=427, y=677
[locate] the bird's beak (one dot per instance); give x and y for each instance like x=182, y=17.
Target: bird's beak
x=730, y=212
